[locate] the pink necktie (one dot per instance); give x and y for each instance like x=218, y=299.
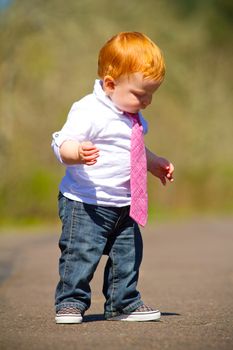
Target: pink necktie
x=138, y=174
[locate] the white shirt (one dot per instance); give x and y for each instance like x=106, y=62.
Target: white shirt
x=95, y=118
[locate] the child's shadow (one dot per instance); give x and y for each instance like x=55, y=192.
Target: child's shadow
x=94, y=318
x=100, y=317
x=169, y=314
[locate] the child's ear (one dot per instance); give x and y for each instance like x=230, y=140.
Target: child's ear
x=108, y=84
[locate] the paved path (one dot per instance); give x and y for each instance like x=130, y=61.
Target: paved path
x=187, y=272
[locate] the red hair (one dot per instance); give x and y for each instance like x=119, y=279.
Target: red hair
x=131, y=52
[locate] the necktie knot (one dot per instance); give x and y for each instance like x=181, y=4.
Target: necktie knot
x=134, y=116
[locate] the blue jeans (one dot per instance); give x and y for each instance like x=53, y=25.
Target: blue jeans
x=88, y=232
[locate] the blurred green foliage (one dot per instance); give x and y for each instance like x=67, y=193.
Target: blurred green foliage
x=48, y=60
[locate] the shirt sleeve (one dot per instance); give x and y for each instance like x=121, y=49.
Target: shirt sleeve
x=55, y=147
x=78, y=128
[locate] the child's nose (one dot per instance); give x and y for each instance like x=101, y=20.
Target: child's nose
x=146, y=101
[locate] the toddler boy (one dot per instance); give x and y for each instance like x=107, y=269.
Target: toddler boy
x=103, y=197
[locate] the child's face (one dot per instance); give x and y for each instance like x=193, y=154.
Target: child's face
x=130, y=93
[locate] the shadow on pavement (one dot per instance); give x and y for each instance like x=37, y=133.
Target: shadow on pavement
x=94, y=318
x=100, y=317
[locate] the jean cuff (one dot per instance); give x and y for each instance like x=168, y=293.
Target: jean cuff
x=132, y=307
x=127, y=310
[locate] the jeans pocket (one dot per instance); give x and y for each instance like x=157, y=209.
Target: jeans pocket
x=61, y=206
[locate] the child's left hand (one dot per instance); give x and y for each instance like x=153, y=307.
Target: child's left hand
x=161, y=168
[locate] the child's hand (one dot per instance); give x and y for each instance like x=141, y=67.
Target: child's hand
x=73, y=152
x=163, y=169
x=88, y=153
x=160, y=167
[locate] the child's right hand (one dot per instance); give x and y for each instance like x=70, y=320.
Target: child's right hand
x=73, y=152
x=88, y=153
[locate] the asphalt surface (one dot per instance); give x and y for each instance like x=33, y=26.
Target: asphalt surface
x=187, y=273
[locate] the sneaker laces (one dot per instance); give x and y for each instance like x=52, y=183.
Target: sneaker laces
x=144, y=308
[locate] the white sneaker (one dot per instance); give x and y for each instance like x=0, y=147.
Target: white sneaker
x=142, y=313
x=69, y=315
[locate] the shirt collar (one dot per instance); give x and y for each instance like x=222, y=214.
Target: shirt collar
x=101, y=96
